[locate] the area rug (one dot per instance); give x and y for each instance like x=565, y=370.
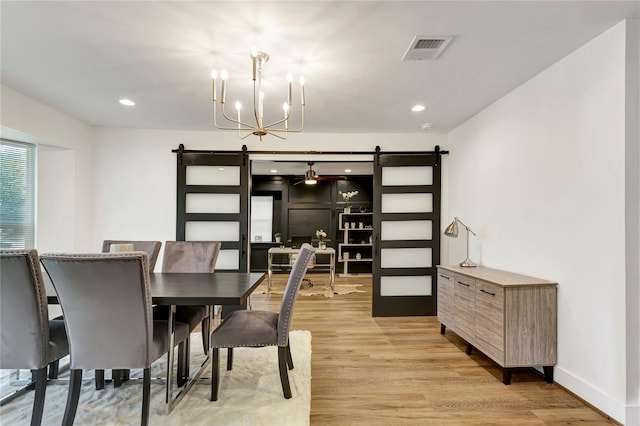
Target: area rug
x=250, y=394
x=321, y=289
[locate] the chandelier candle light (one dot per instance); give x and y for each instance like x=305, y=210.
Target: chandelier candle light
x=259, y=129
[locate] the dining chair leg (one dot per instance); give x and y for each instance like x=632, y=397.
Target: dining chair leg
x=54, y=368
x=205, y=326
x=284, y=375
x=289, y=359
x=38, y=402
x=229, y=359
x=146, y=391
x=117, y=378
x=99, y=379
x=183, y=363
x=75, y=382
x=215, y=373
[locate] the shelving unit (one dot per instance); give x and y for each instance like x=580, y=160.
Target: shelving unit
x=357, y=239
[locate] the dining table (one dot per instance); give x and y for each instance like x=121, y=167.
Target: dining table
x=192, y=289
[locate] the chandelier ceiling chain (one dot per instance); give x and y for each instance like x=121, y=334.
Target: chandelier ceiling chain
x=259, y=129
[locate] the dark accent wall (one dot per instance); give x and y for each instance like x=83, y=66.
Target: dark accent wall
x=302, y=209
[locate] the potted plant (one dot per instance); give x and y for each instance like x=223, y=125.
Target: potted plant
x=347, y=196
x=278, y=236
x=321, y=235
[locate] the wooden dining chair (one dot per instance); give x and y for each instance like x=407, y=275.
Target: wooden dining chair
x=257, y=328
x=189, y=257
x=90, y=288
x=29, y=339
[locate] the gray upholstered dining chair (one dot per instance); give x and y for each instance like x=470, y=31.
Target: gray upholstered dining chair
x=29, y=339
x=257, y=328
x=105, y=298
x=152, y=248
x=194, y=257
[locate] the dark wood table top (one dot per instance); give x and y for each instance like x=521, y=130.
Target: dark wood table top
x=220, y=288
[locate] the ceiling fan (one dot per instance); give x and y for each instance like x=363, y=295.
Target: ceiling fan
x=312, y=178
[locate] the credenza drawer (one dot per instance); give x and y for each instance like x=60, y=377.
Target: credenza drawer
x=490, y=320
x=445, y=298
x=464, y=298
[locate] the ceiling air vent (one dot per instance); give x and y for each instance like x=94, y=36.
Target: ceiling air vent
x=426, y=47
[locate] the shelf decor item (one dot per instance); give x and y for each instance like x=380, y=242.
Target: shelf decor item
x=452, y=231
x=347, y=196
x=321, y=235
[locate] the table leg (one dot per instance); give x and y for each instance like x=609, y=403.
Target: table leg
x=269, y=266
x=172, y=337
x=332, y=270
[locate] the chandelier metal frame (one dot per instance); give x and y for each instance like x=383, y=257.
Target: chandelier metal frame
x=259, y=129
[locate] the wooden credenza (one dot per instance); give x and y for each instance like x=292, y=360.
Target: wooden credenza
x=511, y=318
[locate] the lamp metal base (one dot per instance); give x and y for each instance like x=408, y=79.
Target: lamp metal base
x=467, y=263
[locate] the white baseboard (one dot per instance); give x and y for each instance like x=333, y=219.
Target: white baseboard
x=627, y=415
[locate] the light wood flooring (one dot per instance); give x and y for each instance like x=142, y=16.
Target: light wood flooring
x=396, y=371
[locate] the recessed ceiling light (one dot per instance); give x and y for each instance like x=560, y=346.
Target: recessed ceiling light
x=221, y=169
x=417, y=108
x=273, y=171
x=127, y=102
x=425, y=126
x=347, y=170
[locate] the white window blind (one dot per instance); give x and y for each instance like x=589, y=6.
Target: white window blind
x=17, y=194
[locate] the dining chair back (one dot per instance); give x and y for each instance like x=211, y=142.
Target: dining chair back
x=152, y=248
x=257, y=328
x=105, y=298
x=190, y=256
x=29, y=339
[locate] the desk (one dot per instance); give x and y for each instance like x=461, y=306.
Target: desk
x=197, y=289
x=290, y=251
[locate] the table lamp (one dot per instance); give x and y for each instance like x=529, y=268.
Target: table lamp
x=452, y=231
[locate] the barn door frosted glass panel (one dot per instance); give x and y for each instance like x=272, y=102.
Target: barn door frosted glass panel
x=407, y=217
x=213, y=203
x=213, y=175
x=406, y=230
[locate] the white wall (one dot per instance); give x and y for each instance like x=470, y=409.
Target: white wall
x=134, y=195
x=64, y=164
x=632, y=169
x=540, y=176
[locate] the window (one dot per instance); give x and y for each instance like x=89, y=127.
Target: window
x=17, y=195
x=261, y=218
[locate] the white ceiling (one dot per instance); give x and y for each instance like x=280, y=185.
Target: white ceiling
x=81, y=57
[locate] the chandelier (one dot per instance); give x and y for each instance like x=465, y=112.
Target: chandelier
x=279, y=128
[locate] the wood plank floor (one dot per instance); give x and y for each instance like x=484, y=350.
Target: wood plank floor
x=396, y=371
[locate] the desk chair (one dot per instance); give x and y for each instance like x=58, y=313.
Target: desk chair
x=29, y=339
x=261, y=328
x=89, y=287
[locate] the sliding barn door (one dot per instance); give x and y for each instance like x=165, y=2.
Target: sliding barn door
x=213, y=203
x=407, y=237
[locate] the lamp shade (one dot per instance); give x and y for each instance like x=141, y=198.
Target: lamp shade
x=452, y=229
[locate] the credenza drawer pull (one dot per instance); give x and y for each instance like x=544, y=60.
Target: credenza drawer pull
x=488, y=292
x=444, y=276
x=464, y=284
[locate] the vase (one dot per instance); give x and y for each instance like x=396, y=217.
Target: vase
x=323, y=246
x=347, y=210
